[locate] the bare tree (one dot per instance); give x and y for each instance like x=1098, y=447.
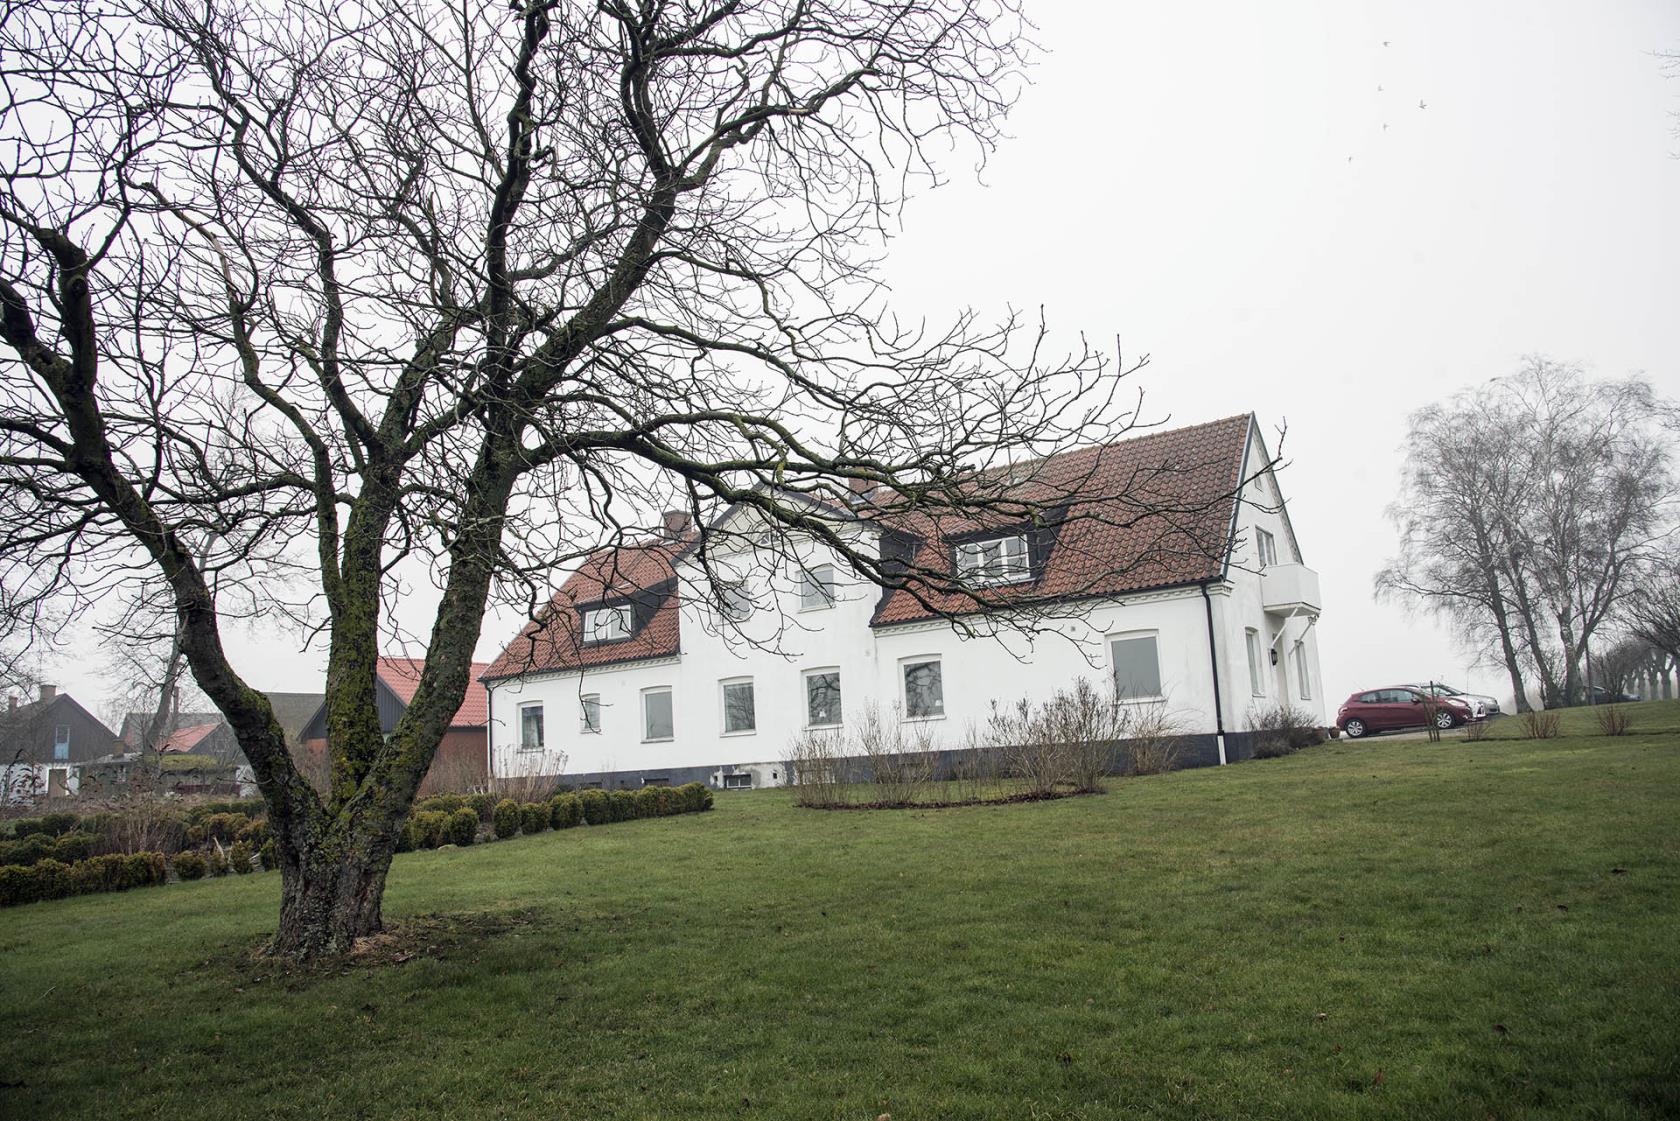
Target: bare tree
x=299, y=295
x=1529, y=507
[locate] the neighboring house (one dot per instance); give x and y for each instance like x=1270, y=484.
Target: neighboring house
x=44, y=743
x=462, y=757
x=627, y=678
x=186, y=733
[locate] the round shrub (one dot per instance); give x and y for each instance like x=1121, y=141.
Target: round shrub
x=270, y=853
x=462, y=828
x=143, y=868
x=73, y=847
x=430, y=828
x=699, y=796
x=594, y=806
x=649, y=803
x=623, y=805
x=58, y=824
x=27, y=826
x=506, y=818
x=216, y=862
x=31, y=849
x=564, y=811
x=533, y=817
x=196, y=835
x=255, y=833
x=407, y=836
x=225, y=827
x=441, y=803
x=484, y=805
x=240, y=857
x=189, y=865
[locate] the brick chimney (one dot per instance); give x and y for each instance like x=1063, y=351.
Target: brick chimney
x=676, y=523
x=48, y=692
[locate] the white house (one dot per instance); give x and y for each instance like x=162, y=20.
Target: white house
x=637, y=673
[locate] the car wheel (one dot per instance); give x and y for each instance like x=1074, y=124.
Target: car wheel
x=1354, y=729
x=1445, y=720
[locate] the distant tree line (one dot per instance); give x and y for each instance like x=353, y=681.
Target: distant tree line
x=1536, y=516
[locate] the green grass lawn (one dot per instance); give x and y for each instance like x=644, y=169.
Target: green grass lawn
x=1377, y=929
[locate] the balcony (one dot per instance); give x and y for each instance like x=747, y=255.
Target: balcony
x=1287, y=589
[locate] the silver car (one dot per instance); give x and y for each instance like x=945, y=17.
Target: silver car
x=1480, y=703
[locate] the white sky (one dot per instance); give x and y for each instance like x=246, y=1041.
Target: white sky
x=1213, y=183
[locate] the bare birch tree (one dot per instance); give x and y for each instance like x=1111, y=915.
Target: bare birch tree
x=1529, y=509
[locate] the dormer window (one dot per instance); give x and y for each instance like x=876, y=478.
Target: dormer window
x=996, y=560
x=604, y=624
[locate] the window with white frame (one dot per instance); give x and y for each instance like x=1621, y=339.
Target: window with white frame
x=996, y=560
x=530, y=727
x=1256, y=679
x=1135, y=666
x=589, y=713
x=822, y=698
x=735, y=601
x=1302, y=672
x=604, y=624
x=741, y=780
x=816, y=588
x=657, y=723
x=740, y=714
x=924, y=688
x=1266, y=545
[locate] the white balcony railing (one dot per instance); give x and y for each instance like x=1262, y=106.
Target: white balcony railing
x=1286, y=588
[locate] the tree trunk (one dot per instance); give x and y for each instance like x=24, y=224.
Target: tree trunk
x=330, y=894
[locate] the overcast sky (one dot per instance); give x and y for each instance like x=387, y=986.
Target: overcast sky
x=1292, y=218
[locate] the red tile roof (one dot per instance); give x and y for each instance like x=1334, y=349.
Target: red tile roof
x=185, y=739
x=553, y=640
x=1149, y=512
x=402, y=677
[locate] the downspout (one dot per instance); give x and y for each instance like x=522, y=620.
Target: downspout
x=489, y=734
x=1213, y=662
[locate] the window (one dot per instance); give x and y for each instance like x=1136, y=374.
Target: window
x=61, y=741
x=604, y=624
x=530, y=727
x=739, y=714
x=1255, y=683
x=1136, y=664
x=924, y=689
x=822, y=698
x=656, y=715
x=736, y=602
x=590, y=712
x=816, y=590
x=1302, y=672
x=1266, y=544
x=742, y=781
x=1000, y=560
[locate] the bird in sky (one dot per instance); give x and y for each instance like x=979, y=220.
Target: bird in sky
x=1385, y=42
x=1421, y=105
x=1385, y=126
x=1379, y=89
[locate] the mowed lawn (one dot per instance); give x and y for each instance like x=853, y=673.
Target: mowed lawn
x=1382, y=929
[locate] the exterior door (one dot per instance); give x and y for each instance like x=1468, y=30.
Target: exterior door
x=58, y=785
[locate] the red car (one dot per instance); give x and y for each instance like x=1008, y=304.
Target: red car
x=1383, y=710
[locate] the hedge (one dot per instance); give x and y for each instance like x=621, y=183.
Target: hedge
x=595, y=807
x=564, y=811
x=53, y=879
x=506, y=818
x=533, y=817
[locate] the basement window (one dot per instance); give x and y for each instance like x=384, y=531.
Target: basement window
x=741, y=781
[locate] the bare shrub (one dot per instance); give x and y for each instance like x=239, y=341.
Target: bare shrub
x=816, y=766
x=974, y=768
x=535, y=781
x=1540, y=724
x=1086, y=725
x=1022, y=737
x=1613, y=720
x=1282, y=730
x=145, y=823
x=1154, y=737
x=901, y=766
x=1476, y=730
x=452, y=773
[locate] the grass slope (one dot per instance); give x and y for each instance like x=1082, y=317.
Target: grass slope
x=1379, y=929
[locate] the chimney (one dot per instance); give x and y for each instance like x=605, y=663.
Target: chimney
x=676, y=523
x=48, y=692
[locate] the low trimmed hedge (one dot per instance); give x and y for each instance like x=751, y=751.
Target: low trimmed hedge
x=564, y=811
x=533, y=817
x=506, y=819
